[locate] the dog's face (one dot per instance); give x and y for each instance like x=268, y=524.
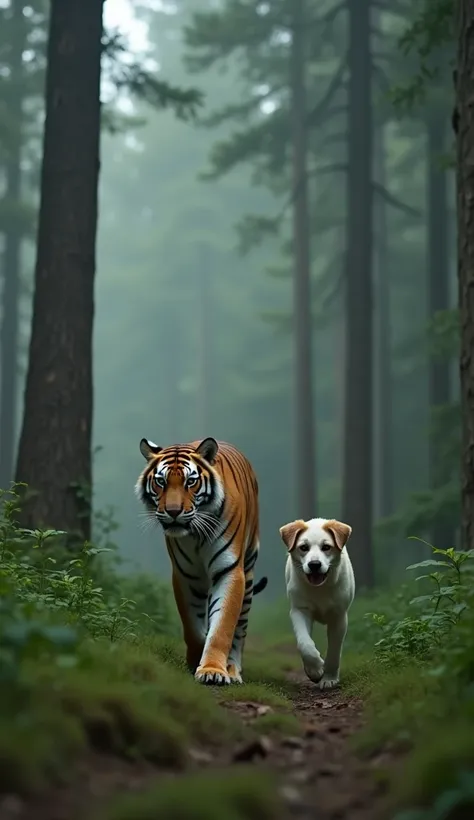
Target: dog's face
x=315, y=546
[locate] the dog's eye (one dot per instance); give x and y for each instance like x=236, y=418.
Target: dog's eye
x=304, y=547
x=326, y=547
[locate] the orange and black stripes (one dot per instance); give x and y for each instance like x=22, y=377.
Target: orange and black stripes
x=205, y=496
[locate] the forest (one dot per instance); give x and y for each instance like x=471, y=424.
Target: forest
x=279, y=184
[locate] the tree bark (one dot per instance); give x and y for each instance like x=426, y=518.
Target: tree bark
x=12, y=246
x=357, y=488
x=204, y=370
x=383, y=348
x=465, y=202
x=442, y=534
x=305, y=474
x=55, y=445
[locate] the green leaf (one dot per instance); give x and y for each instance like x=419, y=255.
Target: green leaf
x=429, y=562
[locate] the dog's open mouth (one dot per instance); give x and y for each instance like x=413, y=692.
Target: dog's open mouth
x=316, y=578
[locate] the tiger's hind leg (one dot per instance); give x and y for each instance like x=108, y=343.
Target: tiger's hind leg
x=193, y=622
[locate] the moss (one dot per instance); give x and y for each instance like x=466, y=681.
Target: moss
x=270, y=667
x=399, y=703
x=256, y=693
x=117, y=699
x=34, y=747
x=278, y=723
x=436, y=762
x=245, y=795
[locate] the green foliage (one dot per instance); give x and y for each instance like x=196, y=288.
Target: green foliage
x=38, y=576
x=429, y=32
x=458, y=798
x=435, y=613
x=246, y=795
x=83, y=666
x=127, y=74
x=420, y=688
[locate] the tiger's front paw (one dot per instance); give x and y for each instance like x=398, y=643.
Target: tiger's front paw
x=212, y=676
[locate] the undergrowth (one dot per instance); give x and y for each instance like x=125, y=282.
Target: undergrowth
x=245, y=795
x=419, y=687
x=90, y=660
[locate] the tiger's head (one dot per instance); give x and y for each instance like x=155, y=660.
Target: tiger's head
x=180, y=487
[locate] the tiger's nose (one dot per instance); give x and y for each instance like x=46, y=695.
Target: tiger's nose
x=174, y=512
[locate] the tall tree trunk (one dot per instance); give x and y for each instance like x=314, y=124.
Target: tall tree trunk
x=383, y=347
x=205, y=347
x=305, y=479
x=438, y=295
x=55, y=444
x=357, y=491
x=464, y=122
x=12, y=245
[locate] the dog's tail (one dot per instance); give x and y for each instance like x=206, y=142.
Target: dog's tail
x=260, y=585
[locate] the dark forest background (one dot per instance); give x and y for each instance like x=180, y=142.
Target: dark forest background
x=276, y=261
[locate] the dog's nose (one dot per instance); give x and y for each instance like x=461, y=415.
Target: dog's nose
x=314, y=566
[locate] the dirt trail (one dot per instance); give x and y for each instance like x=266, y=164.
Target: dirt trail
x=320, y=776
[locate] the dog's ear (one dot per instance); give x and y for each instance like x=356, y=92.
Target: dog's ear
x=339, y=531
x=289, y=533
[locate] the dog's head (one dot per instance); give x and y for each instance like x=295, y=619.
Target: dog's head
x=315, y=546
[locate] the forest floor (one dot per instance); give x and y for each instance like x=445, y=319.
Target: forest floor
x=288, y=751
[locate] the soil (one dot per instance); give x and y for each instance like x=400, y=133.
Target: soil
x=321, y=776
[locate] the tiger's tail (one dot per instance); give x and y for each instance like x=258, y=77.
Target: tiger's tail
x=260, y=585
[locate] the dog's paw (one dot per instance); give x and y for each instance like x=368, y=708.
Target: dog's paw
x=212, y=676
x=314, y=669
x=329, y=682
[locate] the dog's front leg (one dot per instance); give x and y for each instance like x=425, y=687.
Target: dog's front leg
x=337, y=629
x=312, y=661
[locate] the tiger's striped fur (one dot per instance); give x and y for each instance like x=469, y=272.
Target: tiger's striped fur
x=205, y=496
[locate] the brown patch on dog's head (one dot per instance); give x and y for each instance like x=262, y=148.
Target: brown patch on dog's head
x=339, y=531
x=290, y=532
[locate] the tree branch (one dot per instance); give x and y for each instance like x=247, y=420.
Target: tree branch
x=315, y=115
x=392, y=200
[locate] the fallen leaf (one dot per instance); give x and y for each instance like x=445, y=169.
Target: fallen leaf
x=264, y=710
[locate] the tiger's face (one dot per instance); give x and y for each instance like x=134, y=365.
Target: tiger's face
x=180, y=487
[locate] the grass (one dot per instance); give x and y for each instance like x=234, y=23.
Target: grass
x=263, y=693
x=241, y=795
x=417, y=686
x=83, y=667
x=280, y=723
x=117, y=700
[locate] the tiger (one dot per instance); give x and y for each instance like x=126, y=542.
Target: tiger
x=205, y=497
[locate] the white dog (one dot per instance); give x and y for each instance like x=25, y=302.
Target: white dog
x=320, y=587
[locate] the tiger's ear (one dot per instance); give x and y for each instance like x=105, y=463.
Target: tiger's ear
x=208, y=449
x=290, y=532
x=148, y=449
x=339, y=531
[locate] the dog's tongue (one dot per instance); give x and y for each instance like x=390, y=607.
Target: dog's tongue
x=317, y=578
